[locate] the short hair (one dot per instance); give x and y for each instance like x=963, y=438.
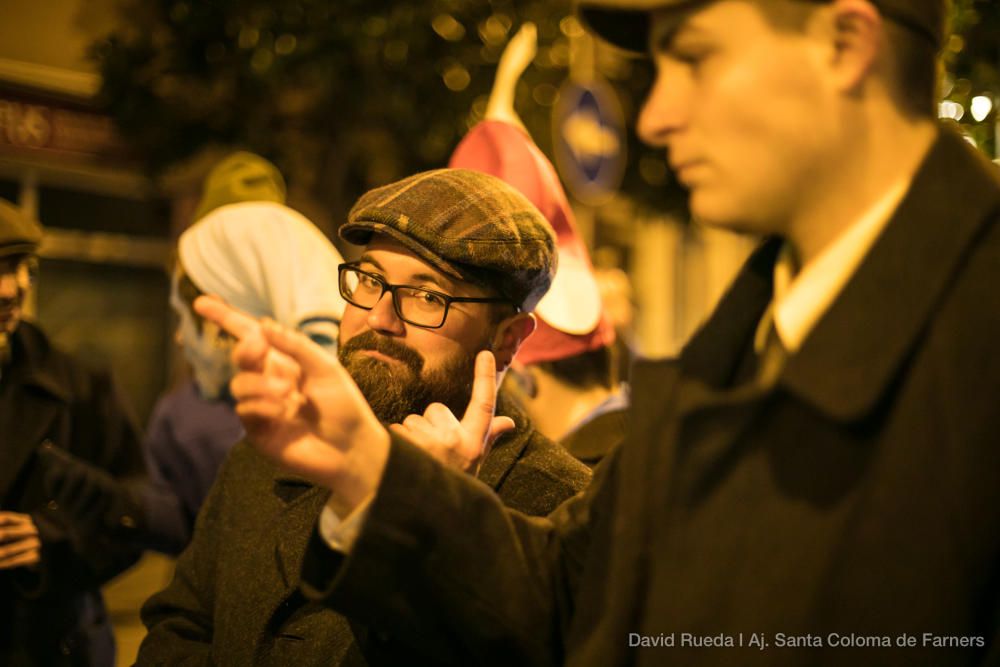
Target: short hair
x=914, y=68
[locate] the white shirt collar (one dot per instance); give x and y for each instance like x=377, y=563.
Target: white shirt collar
x=800, y=299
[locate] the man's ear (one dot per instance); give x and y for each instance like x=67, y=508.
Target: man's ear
x=858, y=36
x=510, y=333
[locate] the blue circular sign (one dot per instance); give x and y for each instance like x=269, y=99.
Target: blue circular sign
x=589, y=139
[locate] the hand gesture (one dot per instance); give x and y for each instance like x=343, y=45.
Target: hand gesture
x=461, y=444
x=301, y=408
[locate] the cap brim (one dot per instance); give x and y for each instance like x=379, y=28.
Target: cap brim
x=360, y=233
x=13, y=249
x=625, y=23
x=573, y=303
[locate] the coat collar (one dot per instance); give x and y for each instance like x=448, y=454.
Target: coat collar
x=31, y=363
x=508, y=448
x=852, y=355
x=33, y=394
x=303, y=503
x=716, y=351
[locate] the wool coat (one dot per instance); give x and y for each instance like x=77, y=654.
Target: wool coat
x=852, y=502
x=54, y=615
x=235, y=597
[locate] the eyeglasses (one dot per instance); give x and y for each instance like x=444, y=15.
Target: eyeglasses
x=414, y=305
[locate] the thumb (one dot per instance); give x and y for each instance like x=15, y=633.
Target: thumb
x=478, y=417
x=498, y=427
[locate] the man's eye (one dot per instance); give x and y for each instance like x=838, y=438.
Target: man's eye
x=428, y=299
x=367, y=282
x=689, y=59
x=690, y=56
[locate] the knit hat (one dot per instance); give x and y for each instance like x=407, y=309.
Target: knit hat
x=240, y=177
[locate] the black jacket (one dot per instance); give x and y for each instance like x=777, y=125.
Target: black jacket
x=235, y=598
x=858, y=496
x=55, y=615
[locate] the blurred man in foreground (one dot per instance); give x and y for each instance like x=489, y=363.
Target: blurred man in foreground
x=814, y=481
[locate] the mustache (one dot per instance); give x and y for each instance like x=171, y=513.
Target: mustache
x=369, y=340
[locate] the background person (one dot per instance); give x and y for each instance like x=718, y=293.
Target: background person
x=453, y=263
x=254, y=252
x=565, y=374
x=50, y=571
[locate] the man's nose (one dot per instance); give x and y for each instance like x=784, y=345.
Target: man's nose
x=664, y=110
x=9, y=287
x=382, y=317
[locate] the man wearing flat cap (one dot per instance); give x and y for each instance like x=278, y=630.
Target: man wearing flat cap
x=453, y=263
x=815, y=481
x=50, y=570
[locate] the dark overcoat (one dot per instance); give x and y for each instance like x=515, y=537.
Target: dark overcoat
x=54, y=615
x=235, y=597
x=852, y=502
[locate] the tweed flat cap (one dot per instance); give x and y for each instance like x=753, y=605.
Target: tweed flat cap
x=469, y=225
x=625, y=23
x=19, y=233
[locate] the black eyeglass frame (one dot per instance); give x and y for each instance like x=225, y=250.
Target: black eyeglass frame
x=389, y=287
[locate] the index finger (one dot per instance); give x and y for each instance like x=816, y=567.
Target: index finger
x=479, y=414
x=235, y=322
x=310, y=357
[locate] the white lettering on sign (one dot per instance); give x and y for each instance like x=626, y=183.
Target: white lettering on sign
x=25, y=124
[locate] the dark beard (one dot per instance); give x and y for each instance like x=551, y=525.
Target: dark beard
x=396, y=390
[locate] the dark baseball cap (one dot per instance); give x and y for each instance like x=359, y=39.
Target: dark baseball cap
x=625, y=23
x=19, y=233
x=467, y=224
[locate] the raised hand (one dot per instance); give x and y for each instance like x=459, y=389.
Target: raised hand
x=461, y=444
x=301, y=408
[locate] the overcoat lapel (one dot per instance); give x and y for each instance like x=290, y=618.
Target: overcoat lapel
x=715, y=399
x=27, y=425
x=508, y=448
x=296, y=522
x=850, y=359
x=292, y=526
x=35, y=399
